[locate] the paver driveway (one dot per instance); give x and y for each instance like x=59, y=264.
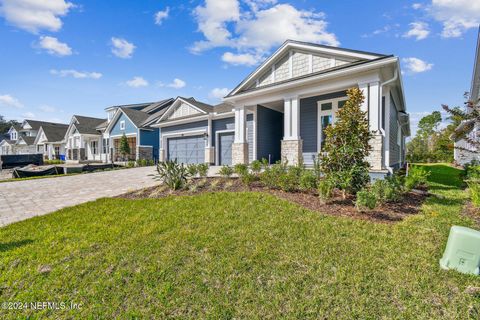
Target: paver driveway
x=21, y=200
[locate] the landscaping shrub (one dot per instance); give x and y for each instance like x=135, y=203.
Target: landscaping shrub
x=317, y=168
x=416, y=176
x=240, y=169
x=203, y=169
x=474, y=187
x=472, y=170
x=290, y=179
x=366, y=200
x=247, y=178
x=226, y=171
x=142, y=163
x=53, y=162
x=265, y=163
x=387, y=190
x=347, y=144
x=192, y=169
x=173, y=174
x=308, y=180
x=130, y=164
x=325, y=190
x=256, y=166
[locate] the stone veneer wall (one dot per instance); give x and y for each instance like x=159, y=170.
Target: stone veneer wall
x=144, y=153
x=292, y=151
x=375, y=158
x=239, y=153
x=210, y=155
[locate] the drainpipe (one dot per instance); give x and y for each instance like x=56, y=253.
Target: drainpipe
x=387, y=152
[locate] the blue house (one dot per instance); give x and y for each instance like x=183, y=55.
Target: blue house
x=134, y=121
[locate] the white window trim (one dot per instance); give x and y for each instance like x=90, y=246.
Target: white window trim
x=399, y=134
x=321, y=113
x=122, y=125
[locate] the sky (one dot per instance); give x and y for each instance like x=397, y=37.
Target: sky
x=65, y=57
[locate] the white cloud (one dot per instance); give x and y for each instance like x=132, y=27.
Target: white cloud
x=177, y=84
x=35, y=15
x=9, y=101
x=76, y=74
x=257, y=29
x=54, y=47
x=218, y=93
x=241, y=58
x=47, y=109
x=457, y=16
x=122, y=48
x=29, y=115
x=417, y=6
x=418, y=30
x=161, y=15
x=415, y=65
x=137, y=82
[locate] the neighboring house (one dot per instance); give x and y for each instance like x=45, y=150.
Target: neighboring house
x=465, y=152
x=25, y=145
x=281, y=109
x=84, y=139
x=135, y=122
x=7, y=144
x=22, y=137
x=50, y=141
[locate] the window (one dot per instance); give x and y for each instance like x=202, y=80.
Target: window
x=326, y=121
x=326, y=106
x=94, y=146
x=341, y=103
x=122, y=125
x=105, y=145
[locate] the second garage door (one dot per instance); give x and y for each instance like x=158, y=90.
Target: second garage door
x=187, y=149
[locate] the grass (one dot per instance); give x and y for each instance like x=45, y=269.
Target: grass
x=245, y=255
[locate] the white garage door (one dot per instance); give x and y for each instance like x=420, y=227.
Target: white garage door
x=187, y=149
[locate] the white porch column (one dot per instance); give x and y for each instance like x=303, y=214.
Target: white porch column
x=292, y=145
x=386, y=143
x=371, y=105
x=209, y=149
x=240, y=145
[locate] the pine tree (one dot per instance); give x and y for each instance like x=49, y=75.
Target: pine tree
x=347, y=144
x=124, y=147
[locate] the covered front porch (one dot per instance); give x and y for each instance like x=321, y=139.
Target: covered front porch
x=305, y=113
x=117, y=154
x=82, y=148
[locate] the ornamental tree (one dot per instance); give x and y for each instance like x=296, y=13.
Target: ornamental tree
x=124, y=147
x=347, y=144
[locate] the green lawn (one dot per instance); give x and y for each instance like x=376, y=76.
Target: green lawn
x=245, y=255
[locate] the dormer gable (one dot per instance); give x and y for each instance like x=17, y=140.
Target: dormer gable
x=184, y=108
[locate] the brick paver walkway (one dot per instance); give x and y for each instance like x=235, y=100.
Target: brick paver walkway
x=21, y=200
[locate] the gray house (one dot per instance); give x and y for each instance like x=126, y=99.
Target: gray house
x=280, y=110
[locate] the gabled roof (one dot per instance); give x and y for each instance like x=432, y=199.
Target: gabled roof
x=137, y=117
x=87, y=125
x=6, y=141
x=28, y=140
x=54, y=133
x=35, y=124
x=202, y=108
x=15, y=127
x=311, y=48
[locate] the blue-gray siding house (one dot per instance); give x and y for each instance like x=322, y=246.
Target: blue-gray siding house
x=135, y=123
x=280, y=110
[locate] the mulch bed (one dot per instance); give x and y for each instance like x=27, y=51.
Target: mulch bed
x=472, y=212
x=386, y=213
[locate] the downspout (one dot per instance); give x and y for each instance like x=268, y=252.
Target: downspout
x=387, y=152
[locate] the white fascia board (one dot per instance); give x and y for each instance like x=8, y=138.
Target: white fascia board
x=324, y=76
x=180, y=121
x=37, y=137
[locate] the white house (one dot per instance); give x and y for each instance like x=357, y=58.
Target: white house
x=50, y=141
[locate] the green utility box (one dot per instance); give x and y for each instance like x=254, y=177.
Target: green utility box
x=463, y=251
